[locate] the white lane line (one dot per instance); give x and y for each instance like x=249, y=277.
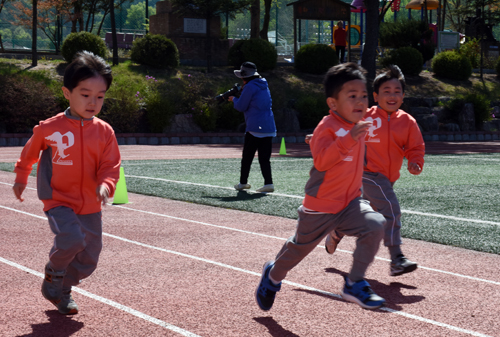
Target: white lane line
x=298, y=285
x=110, y=302
x=452, y=217
x=268, y=236
x=284, y=239
x=302, y=197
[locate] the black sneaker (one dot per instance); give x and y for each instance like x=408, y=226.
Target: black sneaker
x=266, y=291
x=402, y=266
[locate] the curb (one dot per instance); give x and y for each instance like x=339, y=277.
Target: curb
x=20, y=139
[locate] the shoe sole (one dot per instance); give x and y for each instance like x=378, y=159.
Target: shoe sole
x=404, y=271
x=350, y=298
x=261, y=278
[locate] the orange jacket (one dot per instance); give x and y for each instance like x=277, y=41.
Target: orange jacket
x=78, y=155
x=335, y=178
x=390, y=139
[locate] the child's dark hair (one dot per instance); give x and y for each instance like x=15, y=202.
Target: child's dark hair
x=84, y=66
x=391, y=72
x=338, y=75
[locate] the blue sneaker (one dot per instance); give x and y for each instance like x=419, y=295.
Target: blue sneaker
x=266, y=291
x=361, y=293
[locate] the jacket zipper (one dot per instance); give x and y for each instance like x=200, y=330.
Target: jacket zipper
x=82, y=163
x=389, y=143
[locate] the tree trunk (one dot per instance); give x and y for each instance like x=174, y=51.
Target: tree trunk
x=255, y=19
x=267, y=18
x=34, y=57
x=369, y=58
x=113, y=32
x=209, y=43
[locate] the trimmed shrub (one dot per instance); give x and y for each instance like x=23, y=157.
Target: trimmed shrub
x=408, y=33
x=315, y=58
x=312, y=109
x=471, y=49
x=24, y=102
x=76, y=42
x=480, y=101
x=155, y=50
x=258, y=51
x=452, y=65
x=408, y=59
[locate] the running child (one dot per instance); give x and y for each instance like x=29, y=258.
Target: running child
x=76, y=174
x=333, y=193
x=393, y=135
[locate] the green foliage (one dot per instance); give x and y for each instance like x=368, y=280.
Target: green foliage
x=155, y=50
x=26, y=99
x=76, y=42
x=315, y=58
x=408, y=59
x=205, y=117
x=258, y=51
x=6, y=34
x=136, y=15
x=497, y=66
x=311, y=108
x=471, y=49
x=408, y=33
x=479, y=96
x=452, y=65
x=158, y=105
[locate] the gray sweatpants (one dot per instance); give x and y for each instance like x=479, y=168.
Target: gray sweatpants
x=379, y=191
x=77, y=243
x=357, y=219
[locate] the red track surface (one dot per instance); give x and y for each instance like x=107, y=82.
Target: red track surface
x=170, y=268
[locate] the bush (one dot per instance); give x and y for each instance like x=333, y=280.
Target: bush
x=258, y=51
x=312, y=109
x=76, y=42
x=471, y=49
x=452, y=65
x=315, y=58
x=408, y=33
x=408, y=59
x=497, y=66
x=24, y=102
x=480, y=101
x=155, y=50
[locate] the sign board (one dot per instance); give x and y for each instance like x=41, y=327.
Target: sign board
x=196, y=26
x=448, y=40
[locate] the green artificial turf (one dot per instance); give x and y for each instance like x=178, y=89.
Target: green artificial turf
x=458, y=186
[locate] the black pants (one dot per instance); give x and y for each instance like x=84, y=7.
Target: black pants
x=340, y=53
x=264, y=146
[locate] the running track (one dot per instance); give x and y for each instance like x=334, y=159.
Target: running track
x=170, y=268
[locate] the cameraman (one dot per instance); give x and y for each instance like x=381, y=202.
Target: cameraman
x=255, y=102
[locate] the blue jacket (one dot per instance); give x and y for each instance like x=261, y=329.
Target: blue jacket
x=255, y=102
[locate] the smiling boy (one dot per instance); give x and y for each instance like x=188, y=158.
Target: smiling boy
x=393, y=135
x=333, y=193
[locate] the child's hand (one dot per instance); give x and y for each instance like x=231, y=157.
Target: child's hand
x=414, y=169
x=359, y=130
x=230, y=98
x=18, y=191
x=102, y=194
x=308, y=139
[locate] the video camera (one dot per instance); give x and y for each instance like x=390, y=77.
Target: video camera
x=234, y=91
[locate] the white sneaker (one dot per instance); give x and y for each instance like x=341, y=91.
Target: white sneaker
x=266, y=188
x=241, y=187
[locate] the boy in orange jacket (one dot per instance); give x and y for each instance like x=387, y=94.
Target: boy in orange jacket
x=333, y=193
x=394, y=134
x=77, y=172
